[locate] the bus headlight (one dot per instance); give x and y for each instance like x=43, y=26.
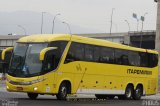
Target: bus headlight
x=35, y=88
x=7, y=87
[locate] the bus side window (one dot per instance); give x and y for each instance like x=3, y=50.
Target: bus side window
x=143, y=59
x=118, y=57
x=106, y=55
x=75, y=53
x=96, y=53
x=124, y=59
x=70, y=56
x=50, y=62
x=88, y=53
x=134, y=58
x=79, y=52
x=121, y=57
x=153, y=60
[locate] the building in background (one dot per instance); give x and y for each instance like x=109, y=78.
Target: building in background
x=8, y=40
x=145, y=39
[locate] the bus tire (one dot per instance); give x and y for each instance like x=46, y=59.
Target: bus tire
x=32, y=96
x=128, y=93
x=138, y=92
x=62, y=93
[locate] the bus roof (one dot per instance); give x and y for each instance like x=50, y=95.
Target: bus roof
x=66, y=37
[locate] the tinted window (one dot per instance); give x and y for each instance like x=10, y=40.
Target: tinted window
x=60, y=44
x=60, y=48
x=96, y=53
x=106, y=55
x=75, y=53
x=143, y=59
x=50, y=62
x=134, y=58
x=121, y=57
x=52, y=58
x=153, y=60
x=93, y=53
x=88, y=53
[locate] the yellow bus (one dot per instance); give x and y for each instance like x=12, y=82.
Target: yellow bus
x=61, y=64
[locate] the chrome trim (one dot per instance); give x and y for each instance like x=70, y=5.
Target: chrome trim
x=26, y=83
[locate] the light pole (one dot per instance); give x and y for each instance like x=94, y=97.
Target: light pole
x=135, y=16
x=68, y=28
x=53, y=22
x=116, y=27
x=111, y=20
x=128, y=25
x=42, y=22
x=143, y=19
x=22, y=29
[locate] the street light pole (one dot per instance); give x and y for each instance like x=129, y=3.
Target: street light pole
x=68, y=28
x=53, y=22
x=42, y=23
x=22, y=29
x=143, y=19
x=128, y=25
x=116, y=27
x=111, y=20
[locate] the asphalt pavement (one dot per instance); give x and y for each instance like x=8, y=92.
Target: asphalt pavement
x=21, y=99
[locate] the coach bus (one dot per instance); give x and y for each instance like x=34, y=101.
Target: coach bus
x=5, y=56
x=61, y=64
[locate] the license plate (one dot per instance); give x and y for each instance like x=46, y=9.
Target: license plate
x=19, y=88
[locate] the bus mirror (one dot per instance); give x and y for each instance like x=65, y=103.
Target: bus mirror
x=44, y=51
x=5, y=51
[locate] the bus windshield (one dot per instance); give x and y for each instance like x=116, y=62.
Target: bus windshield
x=25, y=60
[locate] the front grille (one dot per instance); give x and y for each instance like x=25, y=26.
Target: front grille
x=19, y=83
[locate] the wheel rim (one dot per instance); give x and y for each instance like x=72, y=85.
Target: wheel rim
x=63, y=91
x=128, y=93
x=138, y=92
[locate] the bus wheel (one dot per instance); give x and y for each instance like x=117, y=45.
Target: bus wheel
x=138, y=93
x=62, y=93
x=32, y=96
x=99, y=96
x=128, y=93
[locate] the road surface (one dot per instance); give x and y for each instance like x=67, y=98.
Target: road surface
x=21, y=99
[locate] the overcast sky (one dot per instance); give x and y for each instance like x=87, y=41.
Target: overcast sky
x=94, y=14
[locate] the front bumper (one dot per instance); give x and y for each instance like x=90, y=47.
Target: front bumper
x=34, y=88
